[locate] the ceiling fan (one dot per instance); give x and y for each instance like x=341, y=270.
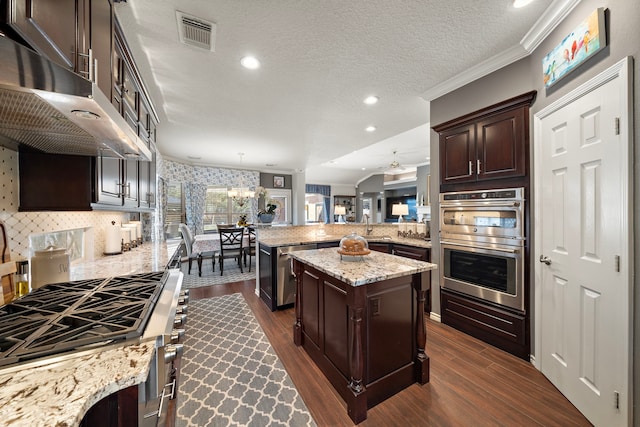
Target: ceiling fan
x=395, y=164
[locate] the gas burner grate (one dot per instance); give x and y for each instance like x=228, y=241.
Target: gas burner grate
x=63, y=317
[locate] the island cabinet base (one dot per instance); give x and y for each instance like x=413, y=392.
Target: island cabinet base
x=368, y=340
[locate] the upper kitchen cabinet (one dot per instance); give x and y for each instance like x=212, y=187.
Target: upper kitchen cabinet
x=76, y=34
x=147, y=184
x=55, y=182
x=488, y=144
x=129, y=94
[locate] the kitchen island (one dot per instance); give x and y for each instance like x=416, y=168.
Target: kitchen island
x=361, y=320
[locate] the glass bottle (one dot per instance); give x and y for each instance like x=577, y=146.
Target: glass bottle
x=21, y=278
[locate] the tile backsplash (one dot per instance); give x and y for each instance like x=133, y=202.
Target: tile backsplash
x=20, y=225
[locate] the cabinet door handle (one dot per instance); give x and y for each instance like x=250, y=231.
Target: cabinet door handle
x=95, y=71
x=91, y=67
x=470, y=167
x=478, y=170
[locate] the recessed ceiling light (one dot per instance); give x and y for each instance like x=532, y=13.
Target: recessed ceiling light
x=250, y=62
x=370, y=100
x=370, y=128
x=521, y=3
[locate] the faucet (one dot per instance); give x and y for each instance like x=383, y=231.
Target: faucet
x=368, y=229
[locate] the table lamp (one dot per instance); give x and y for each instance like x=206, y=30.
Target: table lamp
x=400, y=209
x=340, y=211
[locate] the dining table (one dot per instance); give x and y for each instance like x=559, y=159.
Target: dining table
x=210, y=242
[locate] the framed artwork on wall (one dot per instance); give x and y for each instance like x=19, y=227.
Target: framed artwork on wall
x=587, y=39
x=278, y=181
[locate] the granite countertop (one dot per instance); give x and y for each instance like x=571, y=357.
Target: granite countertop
x=60, y=393
x=146, y=258
x=292, y=241
x=357, y=271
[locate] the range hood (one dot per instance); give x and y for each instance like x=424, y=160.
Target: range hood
x=53, y=110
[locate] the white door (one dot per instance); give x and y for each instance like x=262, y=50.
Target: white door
x=583, y=235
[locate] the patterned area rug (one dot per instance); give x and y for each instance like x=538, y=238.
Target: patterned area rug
x=230, y=374
x=209, y=277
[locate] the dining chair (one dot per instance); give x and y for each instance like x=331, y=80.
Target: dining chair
x=188, y=239
x=231, y=240
x=251, y=249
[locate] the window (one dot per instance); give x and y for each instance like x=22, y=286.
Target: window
x=282, y=199
x=221, y=209
x=314, y=207
x=175, y=209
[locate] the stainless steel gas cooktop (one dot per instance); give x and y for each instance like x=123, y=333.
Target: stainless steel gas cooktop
x=73, y=316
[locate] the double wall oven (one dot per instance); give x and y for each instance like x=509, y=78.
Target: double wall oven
x=482, y=241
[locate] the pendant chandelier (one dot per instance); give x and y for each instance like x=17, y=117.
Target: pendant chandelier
x=241, y=195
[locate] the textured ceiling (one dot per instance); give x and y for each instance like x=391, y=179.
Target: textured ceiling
x=303, y=108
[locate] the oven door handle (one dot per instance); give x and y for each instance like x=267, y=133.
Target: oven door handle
x=480, y=246
x=481, y=204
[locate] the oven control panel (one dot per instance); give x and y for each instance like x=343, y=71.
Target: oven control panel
x=502, y=194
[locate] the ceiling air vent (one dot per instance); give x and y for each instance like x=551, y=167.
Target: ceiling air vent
x=196, y=32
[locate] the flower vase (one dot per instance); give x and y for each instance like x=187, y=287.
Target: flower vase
x=265, y=218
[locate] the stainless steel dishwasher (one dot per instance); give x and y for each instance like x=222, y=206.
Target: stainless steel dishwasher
x=286, y=281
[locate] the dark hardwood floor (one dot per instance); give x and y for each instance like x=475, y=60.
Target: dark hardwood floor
x=472, y=383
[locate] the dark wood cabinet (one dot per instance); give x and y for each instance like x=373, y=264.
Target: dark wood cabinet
x=83, y=36
x=100, y=42
x=108, y=187
x=129, y=94
x=66, y=183
x=54, y=182
x=413, y=252
x=501, y=328
x=130, y=193
x=488, y=144
x=147, y=183
x=50, y=27
x=332, y=244
x=458, y=154
x=348, y=331
x=379, y=247
x=76, y=34
x=127, y=184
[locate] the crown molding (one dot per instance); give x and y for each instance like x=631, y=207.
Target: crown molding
x=487, y=66
x=548, y=21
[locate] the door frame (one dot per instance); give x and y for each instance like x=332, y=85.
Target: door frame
x=624, y=71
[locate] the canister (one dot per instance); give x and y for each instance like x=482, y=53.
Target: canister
x=50, y=265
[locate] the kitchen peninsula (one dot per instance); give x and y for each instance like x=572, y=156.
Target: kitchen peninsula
x=60, y=391
x=362, y=322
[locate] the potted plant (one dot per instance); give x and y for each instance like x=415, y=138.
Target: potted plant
x=267, y=215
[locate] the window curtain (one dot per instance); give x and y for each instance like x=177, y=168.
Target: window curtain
x=160, y=222
x=195, y=198
x=327, y=210
x=325, y=190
